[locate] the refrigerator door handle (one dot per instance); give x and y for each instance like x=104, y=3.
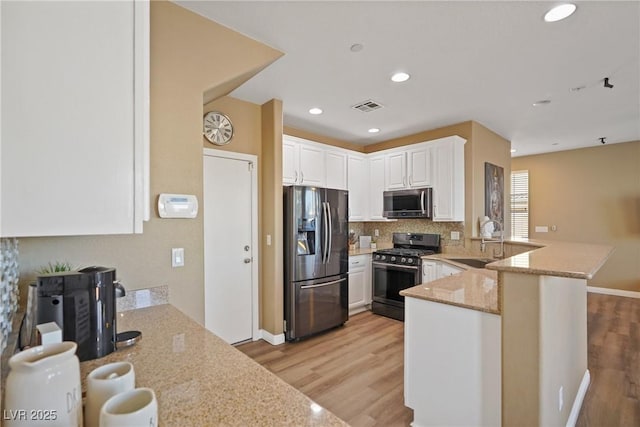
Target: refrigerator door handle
x=325, y=229
x=319, y=285
x=330, y=232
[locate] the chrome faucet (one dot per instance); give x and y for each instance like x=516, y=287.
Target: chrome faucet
x=484, y=241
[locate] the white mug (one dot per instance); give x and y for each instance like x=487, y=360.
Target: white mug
x=103, y=383
x=137, y=407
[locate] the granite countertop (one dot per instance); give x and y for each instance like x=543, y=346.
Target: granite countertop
x=474, y=288
x=560, y=259
x=478, y=289
x=201, y=380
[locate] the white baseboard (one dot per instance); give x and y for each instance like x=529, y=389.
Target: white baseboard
x=270, y=338
x=577, y=403
x=616, y=292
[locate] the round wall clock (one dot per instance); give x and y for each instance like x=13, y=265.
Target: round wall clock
x=217, y=128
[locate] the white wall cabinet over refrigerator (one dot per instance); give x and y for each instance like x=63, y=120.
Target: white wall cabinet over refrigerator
x=75, y=87
x=336, y=169
x=303, y=163
x=359, y=283
x=448, y=179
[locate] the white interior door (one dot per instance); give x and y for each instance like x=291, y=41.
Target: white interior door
x=229, y=229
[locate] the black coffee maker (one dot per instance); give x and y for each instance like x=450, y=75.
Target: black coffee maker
x=83, y=304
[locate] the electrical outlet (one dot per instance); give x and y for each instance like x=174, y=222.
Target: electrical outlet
x=560, y=398
x=542, y=229
x=376, y=232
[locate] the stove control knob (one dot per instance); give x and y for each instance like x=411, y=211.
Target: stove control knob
x=410, y=260
x=403, y=259
x=382, y=257
x=393, y=258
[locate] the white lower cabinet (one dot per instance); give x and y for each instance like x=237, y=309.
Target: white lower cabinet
x=359, y=283
x=452, y=365
x=434, y=270
x=429, y=271
x=445, y=270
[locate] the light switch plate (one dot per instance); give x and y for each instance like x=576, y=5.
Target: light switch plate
x=177, y=257
x=455, y=235
x=542, y=229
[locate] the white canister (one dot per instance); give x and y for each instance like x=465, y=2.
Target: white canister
x=137, y=407
x=43, y=387
x=103, y=383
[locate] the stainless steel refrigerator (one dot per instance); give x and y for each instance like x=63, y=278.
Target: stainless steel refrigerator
x=316, y=260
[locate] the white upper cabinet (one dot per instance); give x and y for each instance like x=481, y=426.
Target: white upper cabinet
x=376, y=186
x=75, y=89
x=396, y=169
x=438, y=164
x=408, y=168
x=419, y=162
x=303, y=162
x=312, y=165
x=336, y=169
x=358, y=170
x=448, y=179
x=290, y=161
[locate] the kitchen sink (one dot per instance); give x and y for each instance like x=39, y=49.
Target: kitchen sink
x=473, y=262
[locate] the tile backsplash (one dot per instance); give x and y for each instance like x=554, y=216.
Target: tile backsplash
x=386, y=230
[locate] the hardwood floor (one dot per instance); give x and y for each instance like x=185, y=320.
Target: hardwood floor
x=613, y=398
x=356, y=371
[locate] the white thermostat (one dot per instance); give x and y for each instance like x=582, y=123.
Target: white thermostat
x=177, y=206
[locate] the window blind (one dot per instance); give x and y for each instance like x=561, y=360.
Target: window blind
x=520, y=203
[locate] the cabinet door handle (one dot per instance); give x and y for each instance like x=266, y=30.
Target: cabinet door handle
x=301, y=177
x=410, y=180
x=295, y=179
x=404, y=181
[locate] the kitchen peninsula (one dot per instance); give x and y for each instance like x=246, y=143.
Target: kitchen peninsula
x=509, y=344
x=201, y=380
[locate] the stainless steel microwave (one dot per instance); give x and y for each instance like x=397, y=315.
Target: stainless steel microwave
x=414, y=203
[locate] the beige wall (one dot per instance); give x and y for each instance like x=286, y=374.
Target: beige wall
x=272, y=278
x=591, y=195
x=544, y=347
x=185, y=67
x=486, y=146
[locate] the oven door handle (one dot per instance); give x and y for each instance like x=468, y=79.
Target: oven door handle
x=405, y=267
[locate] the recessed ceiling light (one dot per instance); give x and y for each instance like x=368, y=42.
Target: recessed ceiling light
x=315, y=111
x=513, y=150
x=400, y=77
x=356, y=47
x=542, y=102
x=374, y=130
x=560, y=12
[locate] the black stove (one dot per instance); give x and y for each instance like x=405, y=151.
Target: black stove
x=401, y=255
x=399, y=268
x=408, y=248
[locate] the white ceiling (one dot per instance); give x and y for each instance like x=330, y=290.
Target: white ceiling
x=481, y=60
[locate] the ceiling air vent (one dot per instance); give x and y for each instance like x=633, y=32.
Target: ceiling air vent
x=367, y=106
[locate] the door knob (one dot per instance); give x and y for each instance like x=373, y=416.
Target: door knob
x=246, y=248
x=247, y=260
